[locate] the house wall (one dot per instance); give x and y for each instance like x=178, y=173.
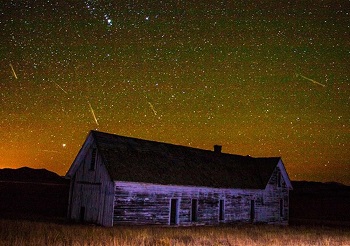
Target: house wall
x=273, y=195
x=91, y=192
x=141, y=203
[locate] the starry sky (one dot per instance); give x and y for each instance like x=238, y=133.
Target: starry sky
x=260, y=78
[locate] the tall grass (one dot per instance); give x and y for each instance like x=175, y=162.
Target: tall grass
x=46, y=233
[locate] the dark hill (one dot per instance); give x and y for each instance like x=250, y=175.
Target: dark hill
x=26, y=174
x=311, y=185
x=321, y=203
x=32, y=193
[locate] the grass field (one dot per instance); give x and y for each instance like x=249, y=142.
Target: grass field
x=21, y=232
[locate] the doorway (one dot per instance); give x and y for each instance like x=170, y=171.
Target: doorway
x=252, y=211
x=82, y=214
x=221, y=210
x=174, y=211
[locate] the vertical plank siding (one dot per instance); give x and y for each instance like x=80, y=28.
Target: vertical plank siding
x=93, y=190
x=273, y=194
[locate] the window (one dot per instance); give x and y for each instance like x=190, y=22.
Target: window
x=93, y=159
x=221, y=210
x=279, y=179
x=281, y=208
x=194, y=210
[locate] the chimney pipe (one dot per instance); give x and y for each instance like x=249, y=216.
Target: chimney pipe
x=217, y=148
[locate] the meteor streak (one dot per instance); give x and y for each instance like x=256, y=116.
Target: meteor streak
x=311, y=80
x=13, y=71
x=61, y=88
x=51, y=151
x=154, y=111
x=93, y=114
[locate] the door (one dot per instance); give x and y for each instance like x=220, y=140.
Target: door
x=174, y=211
x=194, y=210
x=281, y=209
x=82, y=214
x=252, y=211
x=221, y=210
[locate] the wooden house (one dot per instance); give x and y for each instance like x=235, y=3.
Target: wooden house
x=119, y=180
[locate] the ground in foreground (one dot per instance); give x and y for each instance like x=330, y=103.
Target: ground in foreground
x=21, y=232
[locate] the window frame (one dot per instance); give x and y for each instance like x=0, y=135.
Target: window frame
x=279, y=179
x=93, y=160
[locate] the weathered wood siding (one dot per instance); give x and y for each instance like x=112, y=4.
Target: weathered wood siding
x=95, y=198
x=92, y=194
x=274, y=193
x=140, y=203
x=111, y=203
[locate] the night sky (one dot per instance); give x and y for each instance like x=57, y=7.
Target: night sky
x=260, y=79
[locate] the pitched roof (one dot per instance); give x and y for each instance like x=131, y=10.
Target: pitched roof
x=137, y=160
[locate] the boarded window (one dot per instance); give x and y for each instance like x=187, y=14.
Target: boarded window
x=93, y=159
x=194, y=210
x=221, y=210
